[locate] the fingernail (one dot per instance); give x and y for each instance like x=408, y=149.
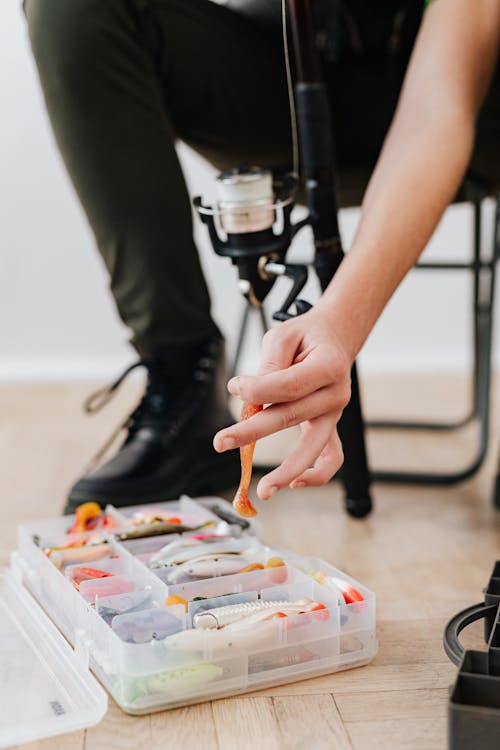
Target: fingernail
x=297, y=485
x=232, y=387
x=272, y=491
x=228, y=443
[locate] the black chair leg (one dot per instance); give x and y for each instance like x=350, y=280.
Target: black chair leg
x=355, y=475
x=496, y=490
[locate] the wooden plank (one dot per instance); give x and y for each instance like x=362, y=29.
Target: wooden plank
x=189, y=728
x=247, y=724
x=312, y=722
x=119, y=731
x=381, y=706
x=395, y=734
x=366, y=679
x=72, y=741
x=408, y=642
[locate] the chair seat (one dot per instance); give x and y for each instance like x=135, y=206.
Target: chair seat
x=353, y=181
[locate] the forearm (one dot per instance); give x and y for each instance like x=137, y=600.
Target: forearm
x=415, y=179
x=305, y=367
x=422, y=162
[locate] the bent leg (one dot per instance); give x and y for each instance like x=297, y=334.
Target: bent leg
x=121, y=79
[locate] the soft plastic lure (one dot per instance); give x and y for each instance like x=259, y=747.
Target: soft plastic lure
x=348, y=592
x=104, y=587
x=157, y=528
x=84, y=573
x=144, y=517
x=186, y=549
x=121, y=604
x=233, y=616
x=241, y=502
x=171, y=683
x=208, y=566
x=72, y=545
x=83, y=515
x=80, y=552
x=173, y=599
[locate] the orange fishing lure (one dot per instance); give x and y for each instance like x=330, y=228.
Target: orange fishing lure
x=84, y=513
x=241, y=502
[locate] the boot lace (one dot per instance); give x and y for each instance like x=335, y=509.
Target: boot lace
x=175, y=412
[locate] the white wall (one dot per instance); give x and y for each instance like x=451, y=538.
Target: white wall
x=57, y=319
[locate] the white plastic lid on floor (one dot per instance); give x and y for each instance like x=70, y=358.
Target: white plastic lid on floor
x=44, y=688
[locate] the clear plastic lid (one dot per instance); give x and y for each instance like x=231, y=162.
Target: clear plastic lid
x=45, y=686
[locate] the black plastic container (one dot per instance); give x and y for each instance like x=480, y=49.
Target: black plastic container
x=474, y=705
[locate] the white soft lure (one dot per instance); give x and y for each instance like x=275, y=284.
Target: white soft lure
x=239, y=620
x=235, y=616
x=183, y=545
x=208, y=566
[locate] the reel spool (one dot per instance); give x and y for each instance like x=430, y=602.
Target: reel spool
x=245, y=200
x=251, y=224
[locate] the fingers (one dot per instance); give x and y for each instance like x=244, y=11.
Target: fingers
x=314, y=436
x=282, y=416
x=316, y=371
x=326, y=466
x=278, y=351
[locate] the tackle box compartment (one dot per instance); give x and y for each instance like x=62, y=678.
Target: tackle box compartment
x=201, y=611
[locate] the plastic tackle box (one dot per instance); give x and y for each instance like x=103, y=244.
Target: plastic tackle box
x=168, y=604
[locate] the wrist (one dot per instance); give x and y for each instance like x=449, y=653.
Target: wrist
x=343, y=321
x=325, y=317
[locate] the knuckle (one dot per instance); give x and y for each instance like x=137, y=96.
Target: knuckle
x=336, y=365
x=339, y=459
x=252, y=434
x=341, y=397
x=328, y=369
x=248, y=391
x=323, y=478
x=338, y=395
x=347, y=392
x=289, y=418
x=270, y=336
x=287, y=328
x=293, y=384
x=329, y=466
x=327, y=472
x=320, y=477
x=334, y=401
x=271, y=365
x=243, y=435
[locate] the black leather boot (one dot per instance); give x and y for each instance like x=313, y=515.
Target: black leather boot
x=168, y=448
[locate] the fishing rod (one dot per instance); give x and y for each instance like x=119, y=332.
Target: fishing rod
x=251, y=222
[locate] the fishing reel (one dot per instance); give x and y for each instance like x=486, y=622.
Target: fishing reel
x=251, y=224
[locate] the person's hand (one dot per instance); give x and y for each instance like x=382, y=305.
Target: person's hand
x=304, y=378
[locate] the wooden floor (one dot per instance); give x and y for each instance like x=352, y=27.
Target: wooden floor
x=425, y=552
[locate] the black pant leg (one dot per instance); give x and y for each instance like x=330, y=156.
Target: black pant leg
x=122, y=79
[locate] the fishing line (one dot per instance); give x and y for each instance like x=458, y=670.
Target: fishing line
x=291, y=99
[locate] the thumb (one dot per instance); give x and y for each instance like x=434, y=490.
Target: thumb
x=279, y=348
